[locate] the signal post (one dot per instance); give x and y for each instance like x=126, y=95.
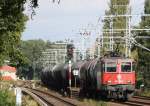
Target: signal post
x=70, y=77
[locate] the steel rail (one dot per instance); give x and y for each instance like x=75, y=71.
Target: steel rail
x=52, y=99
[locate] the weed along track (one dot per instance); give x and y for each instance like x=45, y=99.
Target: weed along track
x=133, y=101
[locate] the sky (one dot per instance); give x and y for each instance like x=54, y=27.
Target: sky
x=55, y=22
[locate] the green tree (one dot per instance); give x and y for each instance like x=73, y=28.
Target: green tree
x=32, y=50
x=12, y=24
x=116, y=7
x=144, y=55
x=0, y=76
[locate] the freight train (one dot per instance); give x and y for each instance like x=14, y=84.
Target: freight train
x=110, y=77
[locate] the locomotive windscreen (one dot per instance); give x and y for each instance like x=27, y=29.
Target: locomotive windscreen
x=126, y=66
x=111, y=66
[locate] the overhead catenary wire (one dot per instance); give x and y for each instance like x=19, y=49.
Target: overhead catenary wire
x=139, y=45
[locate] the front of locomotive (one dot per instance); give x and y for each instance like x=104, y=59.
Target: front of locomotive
x=118, y=78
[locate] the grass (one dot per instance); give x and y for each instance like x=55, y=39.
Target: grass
x=7, y=98
x=92, y=102
x=146, y=93
x=143, y=92
x=6, y=84
x=28, y=101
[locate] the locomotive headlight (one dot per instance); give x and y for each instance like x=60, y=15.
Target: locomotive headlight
x=109, y=82
x=129, y=81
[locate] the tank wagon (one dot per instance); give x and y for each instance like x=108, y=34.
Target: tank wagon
x=111, y=77
x=58, y=77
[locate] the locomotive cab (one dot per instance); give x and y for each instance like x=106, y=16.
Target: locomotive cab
x=118, y=76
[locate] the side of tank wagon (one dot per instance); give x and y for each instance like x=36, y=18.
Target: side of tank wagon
x=58, y=77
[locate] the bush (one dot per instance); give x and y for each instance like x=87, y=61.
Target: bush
x=7, y=98
x=139, y=83
x=146, y=92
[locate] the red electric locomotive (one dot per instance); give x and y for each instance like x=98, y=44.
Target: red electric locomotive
x=111, y=77
x=118, y=78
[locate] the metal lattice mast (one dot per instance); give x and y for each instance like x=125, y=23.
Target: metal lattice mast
x=128, y=35
x=84, y=36
x=111, y=34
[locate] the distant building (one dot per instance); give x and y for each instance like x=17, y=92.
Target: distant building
x=55, y=54
x=97, y=49
x=90, y=52
x=77, y=56
x=94, y=51
x=8, y=72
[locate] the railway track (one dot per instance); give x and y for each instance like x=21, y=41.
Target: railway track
x=51, y=99
x=134, y=101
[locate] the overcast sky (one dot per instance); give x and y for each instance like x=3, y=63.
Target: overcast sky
x=61, y=21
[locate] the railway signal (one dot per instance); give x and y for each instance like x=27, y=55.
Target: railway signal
x=70, y=48
x=75, y=73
